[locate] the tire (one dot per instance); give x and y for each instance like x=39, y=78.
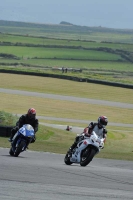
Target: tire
x=19, y=148
x=67, y=160
x=11, y=152
x=90, y=154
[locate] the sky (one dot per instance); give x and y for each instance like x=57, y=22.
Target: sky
x=105, y=13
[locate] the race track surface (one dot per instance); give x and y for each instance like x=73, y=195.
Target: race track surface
x=44, y=176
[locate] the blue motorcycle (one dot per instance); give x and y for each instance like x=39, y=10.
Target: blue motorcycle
x=21, y=140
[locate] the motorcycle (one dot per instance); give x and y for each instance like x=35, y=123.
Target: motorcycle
x=21, y=140
x=85, y=150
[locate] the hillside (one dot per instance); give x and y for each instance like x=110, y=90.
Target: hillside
x=68, y=31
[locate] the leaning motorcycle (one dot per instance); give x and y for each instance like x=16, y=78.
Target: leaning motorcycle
x=21, y=140
x=85, y=150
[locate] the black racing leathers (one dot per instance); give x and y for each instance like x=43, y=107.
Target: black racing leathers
x=24, y=119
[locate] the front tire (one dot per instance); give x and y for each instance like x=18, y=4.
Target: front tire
x=67, y=160
x=88, y=158
x=19, y=148
x=11, y=152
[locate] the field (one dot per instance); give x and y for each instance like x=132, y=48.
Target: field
x=105, y=54
x=100, y=53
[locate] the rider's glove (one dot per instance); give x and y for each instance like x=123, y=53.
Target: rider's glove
x=101, y=145
x=33, y=140
x=15, y=129
x=82, y=137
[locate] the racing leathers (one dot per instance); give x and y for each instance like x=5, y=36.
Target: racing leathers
x=100, y=131
x=24, y=119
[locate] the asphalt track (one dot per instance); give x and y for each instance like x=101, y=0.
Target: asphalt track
x=44, y=176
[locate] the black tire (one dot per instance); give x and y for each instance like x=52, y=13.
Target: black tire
x=19, y=148
x=86, y=160
x=11, y=152
x=67, y=160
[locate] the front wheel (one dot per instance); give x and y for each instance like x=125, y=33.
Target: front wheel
x=87, y=156
x=19, y=148
x=67, y=160
x=11, y=152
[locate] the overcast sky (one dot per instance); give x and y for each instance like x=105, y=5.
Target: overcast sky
x=105, y=13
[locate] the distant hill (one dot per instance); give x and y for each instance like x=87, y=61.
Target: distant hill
x=65, y=23
x=77, y=28
x=68, y=31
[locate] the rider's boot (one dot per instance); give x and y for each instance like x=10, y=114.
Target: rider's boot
x=11, y=138
x=71, y=148
x=13, y=131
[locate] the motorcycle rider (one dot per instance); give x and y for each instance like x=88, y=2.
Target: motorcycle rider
x=29, y=118
x=99, y=129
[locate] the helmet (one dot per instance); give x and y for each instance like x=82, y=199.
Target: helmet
x=102, y=121
x=31, y=113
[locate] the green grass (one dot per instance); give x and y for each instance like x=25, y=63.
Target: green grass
x=49, y=41
x=95, y=64
x=105, y=66
x=61, y=53
x=68, y=32
x=64, y=109
x=65, y=87
x=6, y=119
x=112, y=76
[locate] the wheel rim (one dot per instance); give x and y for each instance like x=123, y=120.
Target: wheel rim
x=85, y=155
x=83, y=159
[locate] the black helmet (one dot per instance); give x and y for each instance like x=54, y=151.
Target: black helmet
x=102, y=121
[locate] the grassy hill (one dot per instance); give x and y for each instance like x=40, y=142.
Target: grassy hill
x=68, y=31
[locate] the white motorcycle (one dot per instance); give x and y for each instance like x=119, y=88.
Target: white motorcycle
x=85, y=150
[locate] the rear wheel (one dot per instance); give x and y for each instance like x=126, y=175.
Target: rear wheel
x=19, y=148
x=87, y=156
x=67, y=159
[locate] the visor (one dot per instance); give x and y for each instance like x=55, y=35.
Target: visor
x=32, y=116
